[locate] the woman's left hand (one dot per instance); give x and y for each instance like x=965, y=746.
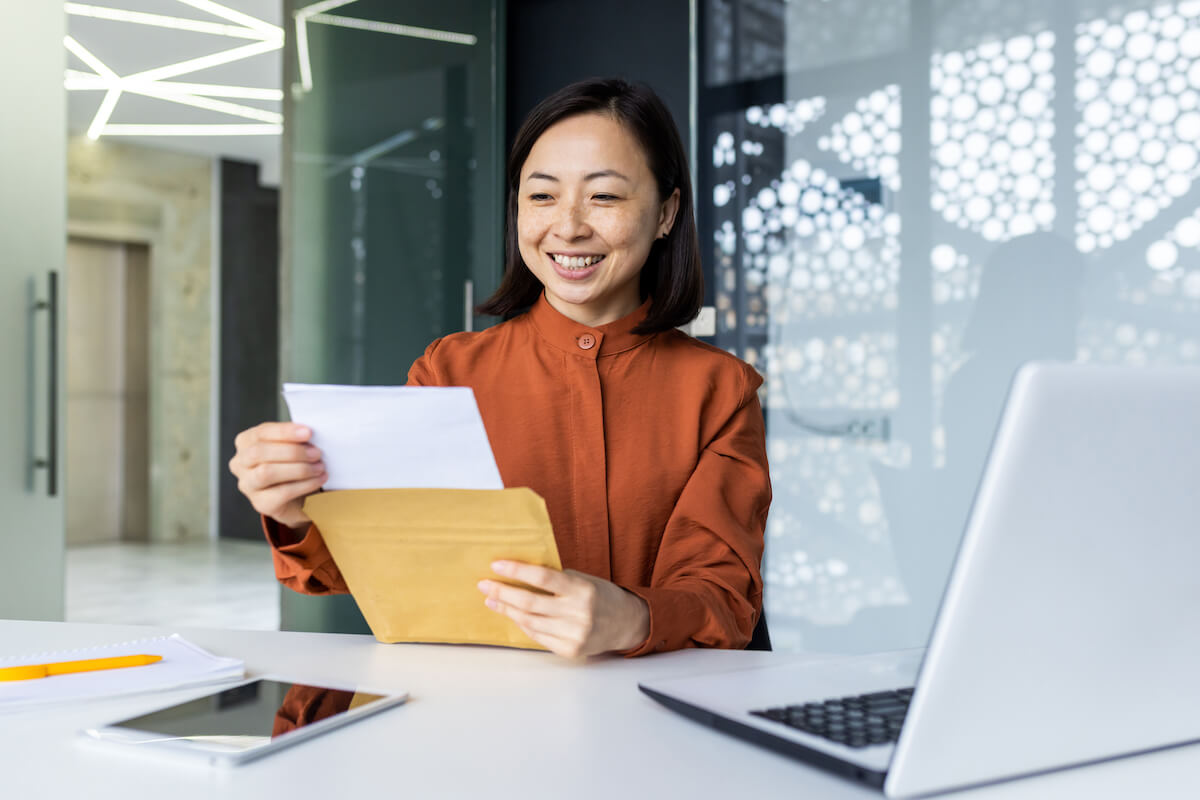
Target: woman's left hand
x=580, y=616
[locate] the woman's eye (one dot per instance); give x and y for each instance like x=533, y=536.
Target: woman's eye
x=539, y=197
x=606, y=197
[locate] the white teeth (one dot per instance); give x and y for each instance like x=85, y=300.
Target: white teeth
x=576, y=262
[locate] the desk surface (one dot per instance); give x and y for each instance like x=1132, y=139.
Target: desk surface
x=481, y=722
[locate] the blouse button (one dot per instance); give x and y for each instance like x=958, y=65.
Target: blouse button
x=587, y=341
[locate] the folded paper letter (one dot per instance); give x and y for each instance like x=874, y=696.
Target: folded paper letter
x=412, y=557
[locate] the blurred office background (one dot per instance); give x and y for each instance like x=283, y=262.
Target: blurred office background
x=899, y=202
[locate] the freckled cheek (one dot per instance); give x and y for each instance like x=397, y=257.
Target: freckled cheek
x=532, y=224
x=531, y=230
x=625, y=232
x=632, y=241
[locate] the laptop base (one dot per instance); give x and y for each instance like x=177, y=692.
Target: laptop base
x=776, y=744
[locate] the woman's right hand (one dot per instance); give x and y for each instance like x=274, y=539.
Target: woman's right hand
x=276, y=469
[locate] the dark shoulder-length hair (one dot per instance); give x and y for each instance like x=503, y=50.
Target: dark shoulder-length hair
x=673, y=276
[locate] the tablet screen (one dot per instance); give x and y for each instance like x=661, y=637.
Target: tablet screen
x=248, y=716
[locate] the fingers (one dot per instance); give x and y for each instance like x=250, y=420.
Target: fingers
x=273, y=500
x=276, y=466
x=267, y=475
x=516, y=597
x=278, y=452
x=562, y=623
x=569, y=634
x=544, y=578
x=273, y=431
x=256, y=447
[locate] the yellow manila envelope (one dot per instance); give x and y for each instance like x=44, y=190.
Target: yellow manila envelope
x=412, y=557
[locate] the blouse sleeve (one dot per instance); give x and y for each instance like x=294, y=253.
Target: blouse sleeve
x=307, y=566
x=706, y=587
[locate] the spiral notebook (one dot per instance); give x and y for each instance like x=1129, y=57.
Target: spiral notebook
x=183, y=665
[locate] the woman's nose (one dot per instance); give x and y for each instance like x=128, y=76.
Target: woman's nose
x=571, y=223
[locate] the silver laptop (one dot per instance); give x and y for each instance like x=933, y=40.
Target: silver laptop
x=1067, y=633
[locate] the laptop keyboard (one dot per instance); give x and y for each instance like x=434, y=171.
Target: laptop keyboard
x=858, y=721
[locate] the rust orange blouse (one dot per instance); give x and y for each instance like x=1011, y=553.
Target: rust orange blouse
x=649, y=451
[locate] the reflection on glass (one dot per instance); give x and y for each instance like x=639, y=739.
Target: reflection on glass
x=246, y=716
x=917, y=207
x=304, y=705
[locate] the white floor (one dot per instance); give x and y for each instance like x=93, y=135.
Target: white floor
x=221, y=584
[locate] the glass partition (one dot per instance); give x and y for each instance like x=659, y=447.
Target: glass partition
x=904, y=200
x=392, y=209
x=392, y=196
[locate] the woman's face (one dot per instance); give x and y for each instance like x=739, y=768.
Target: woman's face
x=588, y=211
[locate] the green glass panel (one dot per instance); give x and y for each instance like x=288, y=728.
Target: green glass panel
x=33, y=217
x=392, y=198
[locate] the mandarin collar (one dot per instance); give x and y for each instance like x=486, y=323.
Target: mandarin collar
x=584, y=340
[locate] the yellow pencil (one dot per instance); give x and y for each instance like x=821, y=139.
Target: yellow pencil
x=29, y=671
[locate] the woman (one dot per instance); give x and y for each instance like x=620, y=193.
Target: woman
x=646, y=444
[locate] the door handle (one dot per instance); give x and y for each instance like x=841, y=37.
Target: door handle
x=50, y=462
x=468, y=305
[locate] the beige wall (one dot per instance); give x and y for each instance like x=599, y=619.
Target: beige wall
x=127, y=193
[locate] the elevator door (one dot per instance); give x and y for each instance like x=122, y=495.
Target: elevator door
x=107, y=425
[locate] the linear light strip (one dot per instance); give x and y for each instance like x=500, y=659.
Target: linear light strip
x=193, y=130
x=317, y=8
x=103, y=113
x=397, y=30
x=306, y=80
x=217, y=10
x=216, y=90
x=84, y=55
x=233, y=109
x=162, y=21
x=204, y=62
x=301, y=17
x=78, y=81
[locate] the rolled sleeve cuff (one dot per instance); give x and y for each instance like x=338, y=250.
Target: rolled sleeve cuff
x=304, y=566
x=674, y=613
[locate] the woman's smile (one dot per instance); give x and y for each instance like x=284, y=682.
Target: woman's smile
x=575, y=267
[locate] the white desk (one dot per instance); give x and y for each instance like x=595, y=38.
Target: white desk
x=482, y=722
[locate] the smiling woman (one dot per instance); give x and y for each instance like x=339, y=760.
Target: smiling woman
x=646, y=444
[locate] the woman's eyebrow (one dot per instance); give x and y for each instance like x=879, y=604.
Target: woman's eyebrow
x=604, y=173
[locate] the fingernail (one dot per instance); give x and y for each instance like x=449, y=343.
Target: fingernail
x=302, y=430
x=311, y=451
x=490, y=603
x=483, y=586
x=501, y=567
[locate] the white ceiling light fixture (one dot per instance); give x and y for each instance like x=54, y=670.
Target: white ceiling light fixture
x=78, y=81
x=193, y=130
x=316, y=13
x=150, y=83
x=110, y=83
x=162, y=21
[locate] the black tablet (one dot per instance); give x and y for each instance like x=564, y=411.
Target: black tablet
x=245, y=721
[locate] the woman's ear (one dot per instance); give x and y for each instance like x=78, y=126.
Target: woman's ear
x=666, y=214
